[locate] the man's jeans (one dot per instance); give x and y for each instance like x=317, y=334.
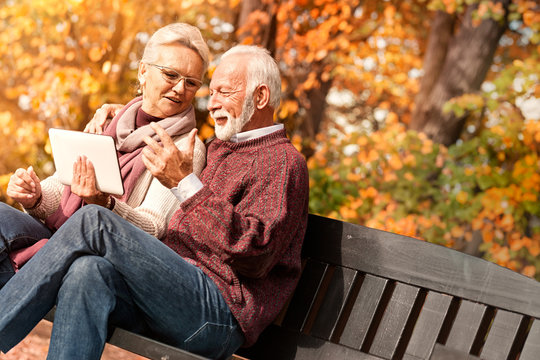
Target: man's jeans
x=101, y=271
x=17, y=230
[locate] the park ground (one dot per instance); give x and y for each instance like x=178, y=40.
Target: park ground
x=36, y=344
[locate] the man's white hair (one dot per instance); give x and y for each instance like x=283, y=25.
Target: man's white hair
x=261, y=69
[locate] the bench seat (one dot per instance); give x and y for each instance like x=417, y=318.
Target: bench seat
x=368, y=294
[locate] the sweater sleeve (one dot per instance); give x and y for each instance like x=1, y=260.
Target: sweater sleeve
x=153, y=213
x=252, y=232
x=51, y=192
x=159, y=204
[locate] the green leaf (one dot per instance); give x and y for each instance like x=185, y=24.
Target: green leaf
x=485, y=182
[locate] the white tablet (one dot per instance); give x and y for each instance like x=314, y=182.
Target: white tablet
x=67, y=145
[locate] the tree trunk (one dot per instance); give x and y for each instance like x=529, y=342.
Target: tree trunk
x=311, y=123
x=257, y=23
x=441, y=34
x=469, y=56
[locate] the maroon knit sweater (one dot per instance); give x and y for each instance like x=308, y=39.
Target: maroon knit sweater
x=245, y=227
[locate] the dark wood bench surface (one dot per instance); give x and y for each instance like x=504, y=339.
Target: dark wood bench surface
x=370, y=294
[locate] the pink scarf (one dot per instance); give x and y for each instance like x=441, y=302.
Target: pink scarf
x=129, y=145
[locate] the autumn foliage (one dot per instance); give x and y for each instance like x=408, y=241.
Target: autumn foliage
x=484, y=189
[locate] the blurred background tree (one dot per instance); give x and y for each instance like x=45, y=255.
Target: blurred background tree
x=419, y=116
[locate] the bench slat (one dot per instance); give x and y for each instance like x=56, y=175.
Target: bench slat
x=394, y=320
x=441, y=352
x=501, y=337
x=289, y=345
x=333, y=303
x=466, y=326
x=304, y=295
x=141, y=345
x=421, y=264
x=531, y=349
x=149, y=348
x=363, y=311
x=365, y=290
x=428, y=326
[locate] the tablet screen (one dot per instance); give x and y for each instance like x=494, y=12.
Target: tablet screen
x=67, y=145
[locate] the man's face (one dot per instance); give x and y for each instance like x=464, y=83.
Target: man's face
x=163, y=97
x=229, y=106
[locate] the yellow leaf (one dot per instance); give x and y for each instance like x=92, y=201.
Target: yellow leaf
x=462, y=197
x=106, y=67
x=95, y=54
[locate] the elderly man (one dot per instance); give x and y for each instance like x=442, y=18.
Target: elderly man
x=232, y=254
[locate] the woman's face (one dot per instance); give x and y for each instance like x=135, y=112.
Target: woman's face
x=165, y=93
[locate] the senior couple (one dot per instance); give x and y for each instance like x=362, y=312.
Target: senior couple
x=200, y=260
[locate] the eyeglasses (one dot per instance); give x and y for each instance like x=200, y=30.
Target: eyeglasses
x=173, y=77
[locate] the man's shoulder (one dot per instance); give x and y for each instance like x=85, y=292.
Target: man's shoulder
x=285, y=154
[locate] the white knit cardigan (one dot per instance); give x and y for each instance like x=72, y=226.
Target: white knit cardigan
x=149, y=207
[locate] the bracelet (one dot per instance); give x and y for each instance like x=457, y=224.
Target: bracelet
x=38, y=202
x=110, y=203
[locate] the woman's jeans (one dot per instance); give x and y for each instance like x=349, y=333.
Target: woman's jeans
x=102, y=271
x=17, y=230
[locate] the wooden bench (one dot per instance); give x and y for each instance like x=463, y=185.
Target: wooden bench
x=368, y=294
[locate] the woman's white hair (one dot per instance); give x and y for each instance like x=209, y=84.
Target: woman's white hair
x=177, y=33
x=261, y=69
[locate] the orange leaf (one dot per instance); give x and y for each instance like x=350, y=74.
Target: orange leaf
x=95, y=54
x=395, y=162
x=457, y=231
x=529, y=271
x=487, y=236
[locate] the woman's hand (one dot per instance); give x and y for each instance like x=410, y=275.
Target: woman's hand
x=25, y=187
x=84, y=185
x=102, y=117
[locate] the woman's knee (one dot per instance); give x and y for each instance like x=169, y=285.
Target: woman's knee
x=4, y=206
x=9, y=213
x=18, y=229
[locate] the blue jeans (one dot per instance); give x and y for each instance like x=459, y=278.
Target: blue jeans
x=101, y=271
x=17, y=230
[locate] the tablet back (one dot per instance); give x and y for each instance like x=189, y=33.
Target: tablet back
x=67, y=145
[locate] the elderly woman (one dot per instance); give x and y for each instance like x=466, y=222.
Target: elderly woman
x=170, y=72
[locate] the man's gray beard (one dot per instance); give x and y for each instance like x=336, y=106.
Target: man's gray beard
x=234, y=125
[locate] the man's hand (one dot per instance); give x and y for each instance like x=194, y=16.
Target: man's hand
x=253, y=267
x=24, y=187
x=168, y=164
x=83, y=183
x=102, y=117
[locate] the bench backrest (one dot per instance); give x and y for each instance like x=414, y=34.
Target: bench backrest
x=369, y=294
